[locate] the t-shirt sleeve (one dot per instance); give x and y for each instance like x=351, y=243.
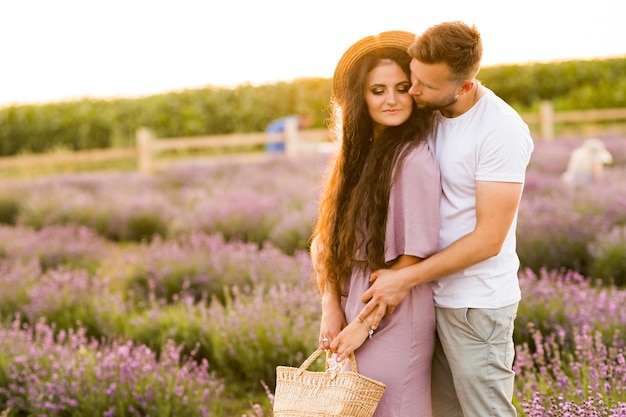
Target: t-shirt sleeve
x=413, y=217
x=505, y=152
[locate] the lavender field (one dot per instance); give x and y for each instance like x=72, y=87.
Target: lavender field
x=178, y=294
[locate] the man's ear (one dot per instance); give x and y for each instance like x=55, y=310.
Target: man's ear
x=467, y=87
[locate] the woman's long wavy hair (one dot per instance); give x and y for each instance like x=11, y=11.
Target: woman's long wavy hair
x=355, y=198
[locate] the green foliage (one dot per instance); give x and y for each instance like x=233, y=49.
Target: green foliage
x=41, y=128
x=563, y=381
x=244, y=338
x=183, y=322
x=145, y=227
x=9, y=210
x=246, y=308
x=609, y=256
x=69, y=375
x=292, y=232
x=73, y=247
x=549, y=242
x=19, y=275
x=579, y=85
x=553, y=250
x=250, y=339
x=90, y=124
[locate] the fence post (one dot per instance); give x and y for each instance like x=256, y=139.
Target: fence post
x=144, y=151
x=546, y=120
x=291, y=136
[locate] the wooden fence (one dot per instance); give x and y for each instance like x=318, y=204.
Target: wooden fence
x=148, y=148
x=547, y=118
x=307, y=141
x=295, y=143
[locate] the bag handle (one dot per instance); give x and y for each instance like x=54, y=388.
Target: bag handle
x=305, y=365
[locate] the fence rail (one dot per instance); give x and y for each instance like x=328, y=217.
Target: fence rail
x=99, y=155
x=307, y=141
x=547, y=118
x=296, y=143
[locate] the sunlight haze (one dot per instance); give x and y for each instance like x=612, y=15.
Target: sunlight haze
x=72, y=49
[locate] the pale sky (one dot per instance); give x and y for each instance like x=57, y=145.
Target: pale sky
x=55, y=50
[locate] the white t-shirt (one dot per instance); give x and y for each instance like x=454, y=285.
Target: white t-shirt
x=489, y=142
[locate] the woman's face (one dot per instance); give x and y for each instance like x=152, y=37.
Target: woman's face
x=387, y=96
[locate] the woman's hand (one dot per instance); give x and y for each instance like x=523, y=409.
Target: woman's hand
x=350, y=339
x=333, y=320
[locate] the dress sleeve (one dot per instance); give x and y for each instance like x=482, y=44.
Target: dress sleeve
x=413, y=217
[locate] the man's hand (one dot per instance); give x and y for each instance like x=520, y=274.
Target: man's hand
x=386, y=292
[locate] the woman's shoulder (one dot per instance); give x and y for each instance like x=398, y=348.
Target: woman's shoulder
x=420, y=158
x=420, y=152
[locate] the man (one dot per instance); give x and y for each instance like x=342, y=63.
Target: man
x=483, y=148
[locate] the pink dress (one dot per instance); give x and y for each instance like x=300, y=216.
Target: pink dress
x=400, y=352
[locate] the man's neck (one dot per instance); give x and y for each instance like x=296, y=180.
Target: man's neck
x=464, y=102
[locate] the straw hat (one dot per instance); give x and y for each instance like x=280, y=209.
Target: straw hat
x=392, y=39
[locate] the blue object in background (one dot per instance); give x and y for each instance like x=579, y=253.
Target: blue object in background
x=277, y=128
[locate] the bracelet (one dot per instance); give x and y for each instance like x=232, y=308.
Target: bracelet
x=370, y=331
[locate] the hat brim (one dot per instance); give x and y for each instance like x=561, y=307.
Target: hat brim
x=392, y=39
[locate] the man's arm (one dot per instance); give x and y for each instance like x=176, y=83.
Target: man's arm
x=356, y=332
x=496, y=206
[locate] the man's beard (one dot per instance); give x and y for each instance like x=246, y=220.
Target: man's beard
x=442, y=104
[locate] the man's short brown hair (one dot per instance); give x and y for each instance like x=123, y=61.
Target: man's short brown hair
x=456, y=44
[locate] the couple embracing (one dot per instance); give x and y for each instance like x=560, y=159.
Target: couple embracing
x=414, y=247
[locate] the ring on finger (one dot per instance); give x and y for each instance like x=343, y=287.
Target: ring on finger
x=325, y=340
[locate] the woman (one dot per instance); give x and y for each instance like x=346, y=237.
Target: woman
x=379, y=208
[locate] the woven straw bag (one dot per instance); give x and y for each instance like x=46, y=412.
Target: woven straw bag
x=303, y=393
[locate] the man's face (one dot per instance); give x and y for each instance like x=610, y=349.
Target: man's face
x=431, y=86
